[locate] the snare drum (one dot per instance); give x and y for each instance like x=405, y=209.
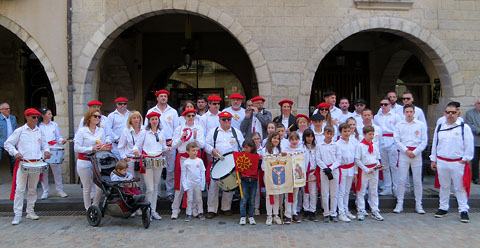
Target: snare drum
x=223, y=173
x=37, y=167
x=154, y=162
x=57, y=155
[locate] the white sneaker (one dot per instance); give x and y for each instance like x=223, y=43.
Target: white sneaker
x=386, y=192
x=376, y=215
x=138, y=212
x=44, y=195
x=398, y=209
x=16, y=220
x=174, y=216
x=133, y=214
x=277, y=220
x=344, y=218
x=62, y=194
x=269, y=220
x=251, y=220
x=257, y=212
x=156, y=216
x=360, y=216
x=419, y=209
x=32, y=216
x=243, y=221
x=350, y=215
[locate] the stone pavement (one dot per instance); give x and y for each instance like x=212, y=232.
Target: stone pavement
x=404, y=230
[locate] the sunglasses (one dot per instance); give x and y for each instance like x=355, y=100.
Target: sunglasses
x=121, y=103
x=406, y=98
x=323, y=109
x=226, y=119
x=97, y=116
x=215, y=103
x=190, y=115
x=360, y=105
x=450, y=112
x=384, y=104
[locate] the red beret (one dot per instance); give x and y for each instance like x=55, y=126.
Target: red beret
x=302, y=115
x=323, y=105
x=189, y=111
x=225, y=114
x=94, y=102
x=214, y=98
x=152, y=114
x=162, y=92
x=32, y=111
x=285, y=101
x=121, y=99
x=236, y=96
x=258, y=98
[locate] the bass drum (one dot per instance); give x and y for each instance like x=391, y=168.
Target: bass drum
x=223, y=173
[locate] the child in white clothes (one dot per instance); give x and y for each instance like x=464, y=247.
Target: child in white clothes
x=270, y=129
x=310, y=191
x=272, y=202
x=193, y=181
x=328, y=162
x=257, y=139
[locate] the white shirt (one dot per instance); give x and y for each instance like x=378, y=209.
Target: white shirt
x=150, y=144
x=319, y=137
x=285, y=123
x=31, y=143
x=194, y=175
x=116, y=178
x=310, y=158
x=86, y=140
x=238, y=116
x=377, y=137
x=443, y=119
x=326, y=154
x=209, y=121
x=257, y=126
x=346, y=154
x=289, y=149
x=181, y=146
x=51, y=131
x=116, y=122
x=451, y=144
x=357, y=117
x=419, y=115
x=225, y=141
x=397, y=109
x=265, y=153
x=168, y=120
x=130, y=142
x=387, y=123
x=343, y=117
x=363, y=157
x=103, y=122
x=412, y=134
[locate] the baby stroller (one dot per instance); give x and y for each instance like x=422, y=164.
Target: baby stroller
x=116, y=202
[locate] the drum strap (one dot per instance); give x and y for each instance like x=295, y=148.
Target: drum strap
x=215, y=134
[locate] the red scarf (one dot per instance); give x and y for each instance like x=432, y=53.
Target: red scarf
x=369, y=144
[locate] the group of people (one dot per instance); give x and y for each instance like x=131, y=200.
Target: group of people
x=341, y=149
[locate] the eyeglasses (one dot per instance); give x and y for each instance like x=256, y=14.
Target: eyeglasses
x=215, y=103
x=97, y=116
x=121, y=103
x=450, y=112
x=359, y=105
x=190, y=115
x=226, y=119
x=156, y=137
x=406, y=98
x=323, y=109
x=384, y=104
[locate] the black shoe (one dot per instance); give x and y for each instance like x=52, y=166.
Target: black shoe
x=464, y=217
x=440, y=213
x=313, y=217
x=296, y=219
x=476, y=181
x=210, y=215
x=334, y=218
x=326, y=219
x=227, y=213
x=306, y=215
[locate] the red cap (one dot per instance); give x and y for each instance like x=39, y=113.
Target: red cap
x=152, y=114
x=32, y=111
x=302, y=115
x=323, y=105
x=285, y=101
x=94, y=102
x=236, y=96
x=214, y=98
x=121, y=99
x=258, y=98
x=162, y=92
x=189, y=111
x=225, y=114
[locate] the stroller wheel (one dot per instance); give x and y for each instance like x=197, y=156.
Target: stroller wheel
x=94, y=215
x=146, y=217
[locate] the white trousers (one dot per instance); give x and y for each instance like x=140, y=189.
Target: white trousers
x=310, y=200
x=212, y=200
x=21, y=184
x=84, y=170
x=389, y=157
x=344, y=193
x=152, y=180
x=194, y=200
x=370, y=181
x=404, y=164
x=272, y=209
x=329, y=190
x=448, y=172
x=170, y=166
x=57, y=176
x=289, y=205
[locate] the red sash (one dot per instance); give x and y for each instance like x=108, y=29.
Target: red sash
x=359, y=181
x=14, y=179
x=344, y=167
x=81, y=156
x=387, y=135
x=178, y=169
x=467, y=176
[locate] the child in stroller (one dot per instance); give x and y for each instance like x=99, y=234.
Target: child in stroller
x=120, y=173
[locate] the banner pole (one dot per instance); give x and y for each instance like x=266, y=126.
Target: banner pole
x=239, y=184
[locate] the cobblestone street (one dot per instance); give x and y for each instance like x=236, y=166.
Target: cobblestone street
x=404, y=230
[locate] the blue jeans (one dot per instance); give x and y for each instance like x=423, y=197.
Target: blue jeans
x=249, y=189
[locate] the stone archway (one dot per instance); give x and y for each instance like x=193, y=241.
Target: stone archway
x=435, y=50
x=33, y=45
x=113, y=27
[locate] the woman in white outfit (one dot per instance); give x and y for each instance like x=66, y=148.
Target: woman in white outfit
x=90, y=137
x=130, y=142
x=153, y=146
x=52, y=134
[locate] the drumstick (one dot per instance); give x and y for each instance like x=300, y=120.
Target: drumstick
x=290, y=127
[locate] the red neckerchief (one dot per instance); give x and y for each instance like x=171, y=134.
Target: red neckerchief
x=369, y=144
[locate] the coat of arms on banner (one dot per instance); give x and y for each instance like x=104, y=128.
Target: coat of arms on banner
x=278, y=174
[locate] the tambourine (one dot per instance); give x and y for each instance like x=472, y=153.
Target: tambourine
x=189, y=134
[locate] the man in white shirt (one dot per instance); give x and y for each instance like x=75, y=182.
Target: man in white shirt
x=344, y=104
x=209, y=120
x=116, y=122
x=395, y=107
x=452, y=148
x=236, y=109
x=442, y=119
x=27, y=144
x=407, y=98
x=168, y=122
x=226, y=141
x=359, y=105
x=201, y=104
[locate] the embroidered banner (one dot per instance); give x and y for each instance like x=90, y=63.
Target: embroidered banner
x=299, y=170
x=278, y=174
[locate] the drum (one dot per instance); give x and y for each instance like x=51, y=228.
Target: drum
x=57, y=155
x=223, y=173
x=34, y=167
x=155, y=162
